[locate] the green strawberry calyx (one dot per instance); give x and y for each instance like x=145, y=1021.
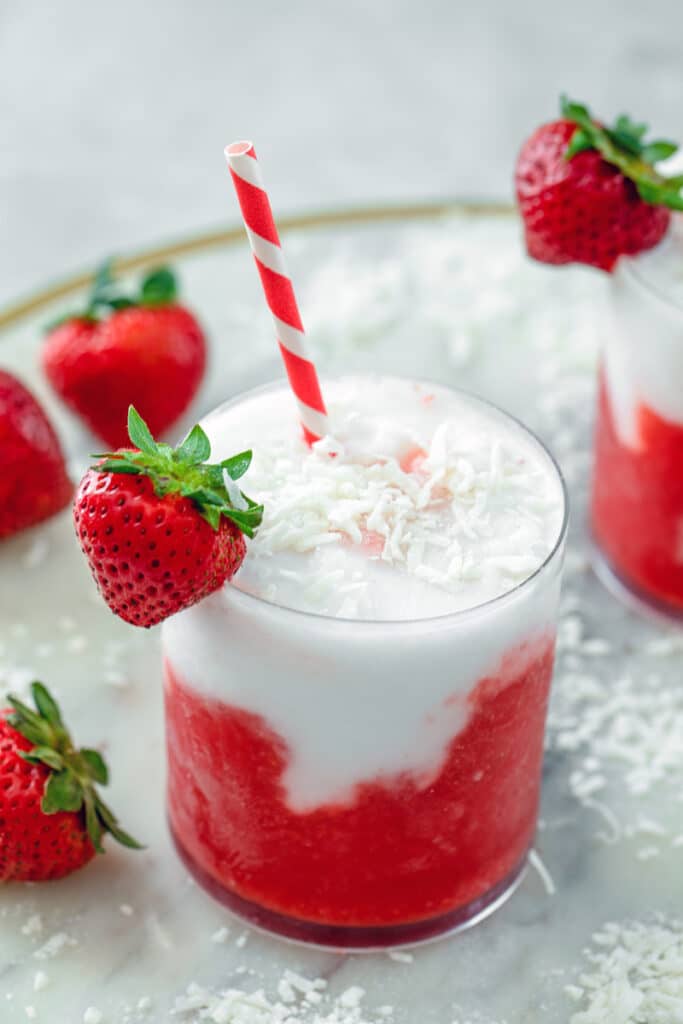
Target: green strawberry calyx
x=74, y=774
x=158, y=287
x=185, y=471
x=624, y=146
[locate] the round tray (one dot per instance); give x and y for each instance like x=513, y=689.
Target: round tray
x=440, y=291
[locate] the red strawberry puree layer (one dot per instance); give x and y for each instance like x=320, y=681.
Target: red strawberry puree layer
x=637, y=510
x=396, y=853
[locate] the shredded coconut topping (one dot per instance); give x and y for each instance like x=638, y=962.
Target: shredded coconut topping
x=453, y=497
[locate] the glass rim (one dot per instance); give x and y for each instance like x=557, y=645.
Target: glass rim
x=629, y=266
x=461, y=613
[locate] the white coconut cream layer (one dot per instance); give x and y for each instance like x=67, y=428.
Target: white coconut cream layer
x=643, y=345
x=311, y=639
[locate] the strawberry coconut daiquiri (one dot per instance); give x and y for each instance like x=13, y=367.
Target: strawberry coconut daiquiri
x=355, y=727
x=591, y=194
x=355, y=722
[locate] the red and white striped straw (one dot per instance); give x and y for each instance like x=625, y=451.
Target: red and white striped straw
x=277, y=287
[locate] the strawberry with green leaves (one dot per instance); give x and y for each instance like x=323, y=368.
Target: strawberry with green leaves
x=52, y=818
x=162, y=527
x=144, y=349
x=590, y=194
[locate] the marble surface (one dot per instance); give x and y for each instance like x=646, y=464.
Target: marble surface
x=126, y=936
x=114, y=117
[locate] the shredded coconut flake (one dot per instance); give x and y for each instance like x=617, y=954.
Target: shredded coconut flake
x=300, y=1000
x=542, y=872
x=234, y=492
x=54, y=946
x=630, y=727
x=400, y=956
x=635, y=976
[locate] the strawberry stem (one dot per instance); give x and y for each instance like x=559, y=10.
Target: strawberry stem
x=185, y=471
x=158, y=287
x=70, y=786
x=624, y=146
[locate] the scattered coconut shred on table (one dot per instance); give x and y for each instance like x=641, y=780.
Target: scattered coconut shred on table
x=301, y=1001
x=624, y=734
x=635, y=975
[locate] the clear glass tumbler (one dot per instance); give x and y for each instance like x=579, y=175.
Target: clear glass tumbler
x=263, y=701
x=637, y=499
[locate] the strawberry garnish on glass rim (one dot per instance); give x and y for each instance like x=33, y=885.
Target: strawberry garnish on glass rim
x=625, y=147
x=162, y=527
x=54, y=819
x=185, y=471
x=589, y=193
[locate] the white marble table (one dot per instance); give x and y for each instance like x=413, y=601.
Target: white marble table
x=122, y=940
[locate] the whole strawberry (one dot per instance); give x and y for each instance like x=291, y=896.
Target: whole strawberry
x=52, y=819
x=147, y=350
x=161, y=528
x=590, y=194
x=33, y=483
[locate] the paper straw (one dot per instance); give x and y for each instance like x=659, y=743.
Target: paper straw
x=277, y=287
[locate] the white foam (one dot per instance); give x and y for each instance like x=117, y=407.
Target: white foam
x=354, y=700
x=643, y=350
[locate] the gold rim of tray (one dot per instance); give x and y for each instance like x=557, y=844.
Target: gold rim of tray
x=223, y=237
